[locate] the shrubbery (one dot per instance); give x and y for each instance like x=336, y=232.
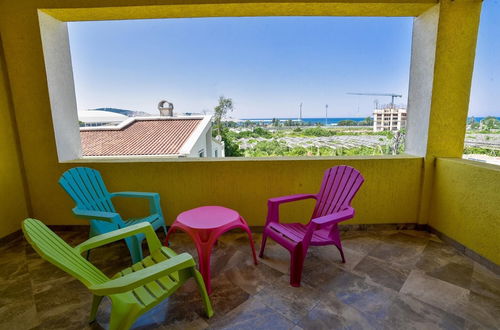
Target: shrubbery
x=481, y=151
x=318, y=131
x=255, y=133
x=231, y=148
x=273, y=148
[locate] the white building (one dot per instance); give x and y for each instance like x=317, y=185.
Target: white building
x=100, y=118
x=389, y=119
x=162, y=136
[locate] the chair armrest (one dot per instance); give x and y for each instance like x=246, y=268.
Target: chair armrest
x=326, y=220
x=136, y=194
x=273, y=204
x=116, y=235
x=97, y=215
x=154, y=199
x=291, y=198
x=144, y=276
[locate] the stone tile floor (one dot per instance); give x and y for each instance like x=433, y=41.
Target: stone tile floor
x=391, y=280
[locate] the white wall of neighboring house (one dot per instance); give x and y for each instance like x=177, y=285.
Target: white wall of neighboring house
x=218, y=148
x=201, y=141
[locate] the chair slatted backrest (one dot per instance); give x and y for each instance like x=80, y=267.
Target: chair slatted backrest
x=87, y=189
x=53, y=249
x=338, y=188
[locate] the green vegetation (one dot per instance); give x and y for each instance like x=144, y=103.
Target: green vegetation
x=220, y=111
x=473, y=124
x=347, y=123
x=318, y=131
x=231, y=148
x=482, y=151
x=274, y=148
x=490, y=123
x=255, y=133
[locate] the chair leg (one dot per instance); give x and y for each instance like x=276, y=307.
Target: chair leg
x=339, y=247
x=135, y=248
x=96, y=300
x=122, y=318
x=296, y=266
x=263, y=244
x=203, y=293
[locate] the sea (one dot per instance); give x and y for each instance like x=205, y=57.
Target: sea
x=329, y=121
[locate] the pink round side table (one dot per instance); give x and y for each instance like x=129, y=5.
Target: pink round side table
x=205, y=224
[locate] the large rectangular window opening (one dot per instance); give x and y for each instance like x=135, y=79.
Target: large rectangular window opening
x=482, y=138
x=241, y=87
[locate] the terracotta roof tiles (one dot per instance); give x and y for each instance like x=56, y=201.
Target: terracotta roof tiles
x=141, y=137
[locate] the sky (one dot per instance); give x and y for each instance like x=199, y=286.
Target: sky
x=486, y=77
x=267, y=65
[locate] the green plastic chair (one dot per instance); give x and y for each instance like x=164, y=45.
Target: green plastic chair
x=134, y=290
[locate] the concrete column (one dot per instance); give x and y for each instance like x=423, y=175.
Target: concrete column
x=60, y=82
x=443, y=51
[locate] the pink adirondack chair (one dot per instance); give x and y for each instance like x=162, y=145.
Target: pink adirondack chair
x=338, y=188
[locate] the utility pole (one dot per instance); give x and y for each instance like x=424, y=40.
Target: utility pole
x=300, y=112
x=326, y=115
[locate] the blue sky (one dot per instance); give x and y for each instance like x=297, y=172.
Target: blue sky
x=268, y=66
x=486, y=78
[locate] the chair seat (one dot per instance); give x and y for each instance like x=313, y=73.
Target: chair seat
x=296, y=232
x=154, y=291
x=153, y=219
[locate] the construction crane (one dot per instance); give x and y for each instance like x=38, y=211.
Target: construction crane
x=380, y=94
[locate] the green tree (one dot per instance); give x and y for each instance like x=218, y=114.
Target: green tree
x=490, y=122
x=368, y=121
x=317, y=131
x=231, y=148
x=473, y=124
x=347, y=123
x=220, y=111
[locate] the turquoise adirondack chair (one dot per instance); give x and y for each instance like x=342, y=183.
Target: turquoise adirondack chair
x=93, y=202
x=134, y=290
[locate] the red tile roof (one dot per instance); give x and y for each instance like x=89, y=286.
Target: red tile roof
x=141, y=137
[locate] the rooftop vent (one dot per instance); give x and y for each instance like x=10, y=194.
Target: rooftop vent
x=166, y=111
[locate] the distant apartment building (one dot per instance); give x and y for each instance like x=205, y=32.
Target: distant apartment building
x=389, y=119
x=159, y=136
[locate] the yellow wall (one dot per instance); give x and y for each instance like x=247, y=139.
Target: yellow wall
x=466, y=204
x=390, y=194
x=13, y=207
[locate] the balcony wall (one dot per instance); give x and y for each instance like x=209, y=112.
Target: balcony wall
x=389, y=195
x=397, y=189
x=466, y=204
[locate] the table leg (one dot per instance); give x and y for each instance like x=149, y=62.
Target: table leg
x=170, y=232
x=245, y=227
